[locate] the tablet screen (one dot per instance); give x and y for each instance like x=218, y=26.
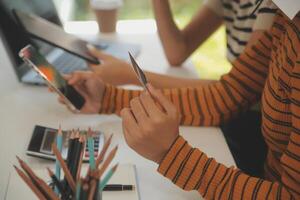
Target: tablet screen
x=53, y=34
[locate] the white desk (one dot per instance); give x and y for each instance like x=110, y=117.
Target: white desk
x=23, y=106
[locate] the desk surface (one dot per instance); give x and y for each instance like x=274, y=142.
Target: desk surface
x=23, y=106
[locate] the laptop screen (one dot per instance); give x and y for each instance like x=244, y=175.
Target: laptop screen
x=14, y=36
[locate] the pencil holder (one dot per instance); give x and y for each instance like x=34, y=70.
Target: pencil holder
x=73, y=186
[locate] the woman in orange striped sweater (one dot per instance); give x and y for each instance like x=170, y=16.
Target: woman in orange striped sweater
x=269, y=70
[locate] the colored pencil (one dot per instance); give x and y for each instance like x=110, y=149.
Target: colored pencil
x=27, y=180
x=59, y=143
x=106, y=163
x=107, y=177
x=82, y=139
x=70, y=148
x=84, y=192
x=56, y=182
x=91, y=150
x=41, y=185
x=93, y=186
x=68, y=175
x=76, y=152
x=78, y=190
x=103, y=151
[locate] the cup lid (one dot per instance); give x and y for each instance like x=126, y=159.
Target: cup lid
x=106, y=4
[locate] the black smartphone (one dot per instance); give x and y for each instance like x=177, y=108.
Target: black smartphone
x=52, y=77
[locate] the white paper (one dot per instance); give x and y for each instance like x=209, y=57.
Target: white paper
x=288, y=7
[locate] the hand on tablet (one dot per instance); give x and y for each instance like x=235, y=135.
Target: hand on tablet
x=90, y=86
x=147, y=129
x=112, y=70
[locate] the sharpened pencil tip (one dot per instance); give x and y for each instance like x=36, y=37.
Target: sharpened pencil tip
x=59, y=130
x=110, y=137
x=18, y=158
x=50, y=172
x=115, y=167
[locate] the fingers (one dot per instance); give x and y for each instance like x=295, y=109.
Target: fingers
x=77, y=77
x=61, y=100
x=97, y=53
x=82, y=91
x=151, y=107
x=129, y=122
x=66, y=76
x=138, y=110
x=162, y=100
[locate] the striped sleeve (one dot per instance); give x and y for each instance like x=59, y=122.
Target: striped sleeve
x=213, y=104
x=291, y=157
x=191, y=169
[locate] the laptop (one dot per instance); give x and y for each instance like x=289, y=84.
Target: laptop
x=15, y=38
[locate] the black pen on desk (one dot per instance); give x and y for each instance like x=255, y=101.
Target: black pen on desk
x=118, y=187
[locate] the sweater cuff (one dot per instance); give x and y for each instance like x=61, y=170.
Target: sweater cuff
x=174, y=157
x=107, y=104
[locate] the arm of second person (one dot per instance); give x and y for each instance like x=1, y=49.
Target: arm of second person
x=179, y=44
x=117, y=72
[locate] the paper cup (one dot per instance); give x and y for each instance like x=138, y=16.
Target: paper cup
x=106, y=12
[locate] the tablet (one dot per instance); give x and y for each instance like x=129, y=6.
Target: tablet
x=53, y=34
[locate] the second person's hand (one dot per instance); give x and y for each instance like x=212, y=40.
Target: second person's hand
x=90, y=86
x=112, y=70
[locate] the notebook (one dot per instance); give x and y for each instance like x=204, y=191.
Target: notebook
x=125, y=174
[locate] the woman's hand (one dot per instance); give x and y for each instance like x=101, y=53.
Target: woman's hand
x=90, y=86
x=112, y=70
x=148, y=129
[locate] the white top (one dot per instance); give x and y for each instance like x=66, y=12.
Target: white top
x=240, y=23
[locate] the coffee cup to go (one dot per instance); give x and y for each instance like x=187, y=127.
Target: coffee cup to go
x=106, y=12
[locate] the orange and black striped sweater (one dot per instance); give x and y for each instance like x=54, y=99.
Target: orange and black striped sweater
x=270, y=71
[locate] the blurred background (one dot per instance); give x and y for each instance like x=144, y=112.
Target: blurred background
x=209, y=59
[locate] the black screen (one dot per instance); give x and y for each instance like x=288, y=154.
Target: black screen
x=14, y=36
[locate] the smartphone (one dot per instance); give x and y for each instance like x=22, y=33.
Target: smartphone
x=52, y=77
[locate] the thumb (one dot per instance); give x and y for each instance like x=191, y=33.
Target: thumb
x=97, y=53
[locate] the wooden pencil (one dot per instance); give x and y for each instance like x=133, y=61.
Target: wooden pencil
x=106, y=163
x=41, y=185
x=108, y=176
x=93, y=186
x=27, y=180
x=68, y=175
x=82, y=139
x=103, y=151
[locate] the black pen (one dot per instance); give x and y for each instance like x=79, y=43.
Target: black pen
x=118, y=187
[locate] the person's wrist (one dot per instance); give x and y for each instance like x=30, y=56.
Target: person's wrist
x=160, y=157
